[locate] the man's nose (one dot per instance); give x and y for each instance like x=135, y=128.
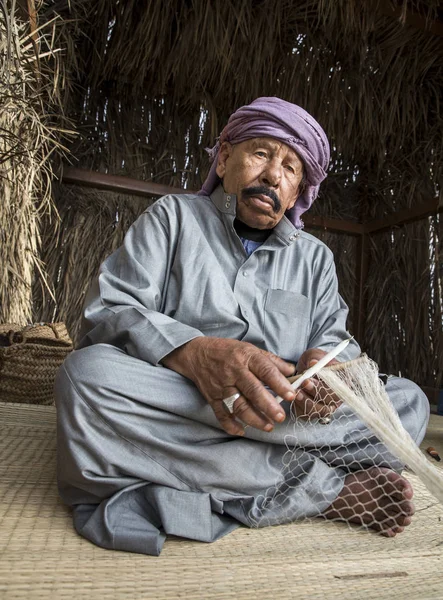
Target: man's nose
x=271, y=174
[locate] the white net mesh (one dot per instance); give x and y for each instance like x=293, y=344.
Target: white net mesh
x=348, y=466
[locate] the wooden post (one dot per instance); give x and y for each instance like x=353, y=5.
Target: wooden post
x=360, y=296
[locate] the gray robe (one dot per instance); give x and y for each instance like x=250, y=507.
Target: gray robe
x=140, y=453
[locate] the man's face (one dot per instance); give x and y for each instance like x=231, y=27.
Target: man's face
x=265, y=175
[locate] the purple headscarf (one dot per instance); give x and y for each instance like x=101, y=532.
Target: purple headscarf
x=288, y=123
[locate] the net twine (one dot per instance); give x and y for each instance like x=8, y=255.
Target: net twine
x=356, y=384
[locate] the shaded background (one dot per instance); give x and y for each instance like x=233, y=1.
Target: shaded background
x=140, y=88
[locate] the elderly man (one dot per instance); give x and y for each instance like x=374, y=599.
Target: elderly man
x=216, y=296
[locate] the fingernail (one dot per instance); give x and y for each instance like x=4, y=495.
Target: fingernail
x=268, y=427
x=309, y=386
x=280, y=416
x=289, y=395
x=313, y=362
x=299, y=396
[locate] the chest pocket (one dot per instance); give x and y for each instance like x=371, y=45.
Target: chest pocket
x=287, y=323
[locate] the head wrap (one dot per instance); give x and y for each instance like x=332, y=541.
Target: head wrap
x=288, y=123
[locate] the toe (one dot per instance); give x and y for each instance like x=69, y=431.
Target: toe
x=399, y=486
x=389, y=533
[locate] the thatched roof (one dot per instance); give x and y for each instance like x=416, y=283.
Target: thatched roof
x=158, y=81
x=149, y=85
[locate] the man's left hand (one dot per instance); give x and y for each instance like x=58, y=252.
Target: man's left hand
x=314, y=399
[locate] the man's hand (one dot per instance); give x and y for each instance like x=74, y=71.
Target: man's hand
x=314, y=399
x=222, y=367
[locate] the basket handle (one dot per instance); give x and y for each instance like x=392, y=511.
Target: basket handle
x=20, y=337
x=16, y=337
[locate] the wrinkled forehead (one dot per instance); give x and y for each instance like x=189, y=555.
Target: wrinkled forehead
x=273, y=145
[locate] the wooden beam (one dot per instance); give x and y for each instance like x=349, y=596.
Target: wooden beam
x=117, y=183
x=333, y=224
x=137, y=187
x=420, y=211
x=410, y=18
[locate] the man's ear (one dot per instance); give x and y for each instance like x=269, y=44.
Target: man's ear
x=224, y=153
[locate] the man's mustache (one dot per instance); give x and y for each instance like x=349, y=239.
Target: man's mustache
x=264, y=191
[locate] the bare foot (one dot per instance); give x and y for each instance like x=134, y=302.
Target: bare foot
x=377, y=498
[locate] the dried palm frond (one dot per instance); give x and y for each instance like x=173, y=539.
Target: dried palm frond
x=29, y=136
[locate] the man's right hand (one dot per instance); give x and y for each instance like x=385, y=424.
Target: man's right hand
x=221, y=367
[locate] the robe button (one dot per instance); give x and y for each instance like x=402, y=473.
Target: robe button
x=245, y=273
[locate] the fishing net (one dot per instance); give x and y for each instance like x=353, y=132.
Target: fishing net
x=363, y=441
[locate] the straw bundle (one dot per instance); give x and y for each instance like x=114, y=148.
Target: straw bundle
x=28, y=93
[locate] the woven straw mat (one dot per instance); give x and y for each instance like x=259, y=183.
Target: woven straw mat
x=41, y=556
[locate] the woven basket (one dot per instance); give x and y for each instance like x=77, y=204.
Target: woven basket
x=29, y=360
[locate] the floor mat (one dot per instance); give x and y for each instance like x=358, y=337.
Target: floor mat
x=41, y=556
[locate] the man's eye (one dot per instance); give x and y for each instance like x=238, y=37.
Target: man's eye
x=290, y=168
x=260, y=153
